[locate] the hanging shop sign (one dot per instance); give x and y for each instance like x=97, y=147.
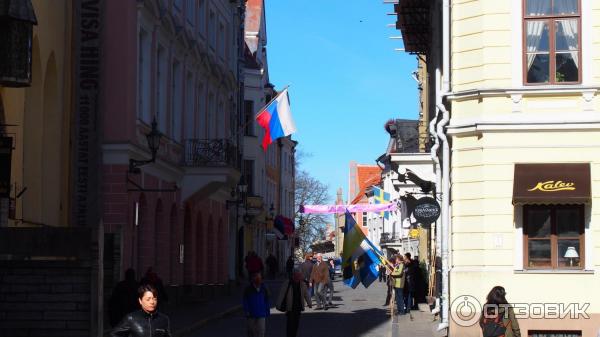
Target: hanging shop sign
x=426, y=210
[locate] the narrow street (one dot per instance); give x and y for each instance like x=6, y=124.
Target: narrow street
x=356, y=313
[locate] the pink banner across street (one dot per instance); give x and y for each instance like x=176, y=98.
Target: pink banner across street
x=331, y=209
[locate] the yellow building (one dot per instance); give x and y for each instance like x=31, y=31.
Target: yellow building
x=517, y=84
x=37, y=118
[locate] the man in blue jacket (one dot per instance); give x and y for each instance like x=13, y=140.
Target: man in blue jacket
x=257, y=306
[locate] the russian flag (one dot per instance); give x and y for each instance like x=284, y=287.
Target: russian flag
x=276, y=119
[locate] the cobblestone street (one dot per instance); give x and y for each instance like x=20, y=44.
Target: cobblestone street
x=356, y=313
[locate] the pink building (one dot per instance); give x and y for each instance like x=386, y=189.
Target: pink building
x=176, y=64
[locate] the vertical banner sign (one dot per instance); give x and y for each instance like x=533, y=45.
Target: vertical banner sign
x=5, y=159
x=85, y=141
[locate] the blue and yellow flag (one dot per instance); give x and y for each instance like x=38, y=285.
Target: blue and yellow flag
x=360, y=258
x=381, y=197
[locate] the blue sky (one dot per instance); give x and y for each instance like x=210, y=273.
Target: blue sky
x=345, y=80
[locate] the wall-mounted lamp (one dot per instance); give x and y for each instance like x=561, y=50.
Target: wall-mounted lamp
x=153, y=138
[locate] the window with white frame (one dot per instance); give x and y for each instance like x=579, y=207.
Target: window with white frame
x=189, y=116
x=554, y=236
x=161, y=88
x=212, y=27
x=552, y=41
x=190, y=11
x=201, y=17
x=176, y=100
x=144, y=70
x=221, y=127
x=221, y=40
x=202, y=115
x=212, y=120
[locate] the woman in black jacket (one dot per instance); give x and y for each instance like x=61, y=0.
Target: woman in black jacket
x=144, y=322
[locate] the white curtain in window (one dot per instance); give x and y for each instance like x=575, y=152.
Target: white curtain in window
x=565, y=6
x=556, y=335
x=569, y=28
x=538, y=7
x=535, y=30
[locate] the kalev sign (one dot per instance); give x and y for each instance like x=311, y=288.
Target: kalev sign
x=553, y=186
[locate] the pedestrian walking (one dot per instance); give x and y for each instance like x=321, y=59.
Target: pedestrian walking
x=329, y=290
x=398, y=276
x=256, y=306
x=254, y=264
x=289, y=266
x=154, y=280
x=319, y=278
x=382, y=275
x=390, y=287
x=272, y=265
x=147, y=321
x=498, y=317
x=293, y=297
x=410, y=274
x=306, y=268
x=124, y=298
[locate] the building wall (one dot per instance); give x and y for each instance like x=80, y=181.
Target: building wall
x=39, y=118
x=509, y=123
x=186, y=78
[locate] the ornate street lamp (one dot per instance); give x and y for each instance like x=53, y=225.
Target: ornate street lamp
x=153, y=139
x=16, y=24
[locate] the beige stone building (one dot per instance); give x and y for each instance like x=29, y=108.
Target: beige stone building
x=516, y=125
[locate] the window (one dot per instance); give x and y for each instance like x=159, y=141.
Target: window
x=201, y=125
x=212, y=120
x=212, y=34
x=249, y=118
x=221, y=41
x=161, y=88
x=249, y=175
x=176, y=107
x=190, y=11
x=201, y=17
x=364, y=219
x=189, y=116
x=554, y=236
x=221, y=127
x=552, y=41
x=144, y=71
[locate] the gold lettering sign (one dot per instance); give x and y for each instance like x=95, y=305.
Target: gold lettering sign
x=553, y=186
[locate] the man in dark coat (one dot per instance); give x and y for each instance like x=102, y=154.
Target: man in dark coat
x=411, y=280
x=124, y=298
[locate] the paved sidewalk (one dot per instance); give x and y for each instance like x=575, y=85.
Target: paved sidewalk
x=355, y=313
x=191, y=316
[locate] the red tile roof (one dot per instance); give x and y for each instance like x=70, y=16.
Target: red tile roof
x=366, y=176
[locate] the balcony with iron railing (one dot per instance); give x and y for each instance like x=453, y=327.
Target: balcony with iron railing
x=211, y=166
x=390, y=238
x=210, y=152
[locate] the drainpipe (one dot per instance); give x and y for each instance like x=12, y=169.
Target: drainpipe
x=445, y=163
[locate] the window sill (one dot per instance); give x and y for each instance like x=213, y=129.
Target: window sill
x=554, y=271
x=525, y=90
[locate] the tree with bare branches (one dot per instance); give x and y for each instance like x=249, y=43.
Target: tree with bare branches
x=310, y=191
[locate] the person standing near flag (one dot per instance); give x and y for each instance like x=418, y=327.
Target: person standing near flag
x=319, y=279
x=398, y=277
